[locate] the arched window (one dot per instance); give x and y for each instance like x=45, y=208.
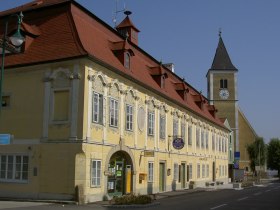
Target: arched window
x=127, y=60
x=223, y=83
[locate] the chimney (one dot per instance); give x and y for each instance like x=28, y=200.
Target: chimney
x=170, y=66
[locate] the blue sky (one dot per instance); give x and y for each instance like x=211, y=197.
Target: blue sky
x=185, y=32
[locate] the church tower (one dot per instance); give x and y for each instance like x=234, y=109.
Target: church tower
x=222, y=89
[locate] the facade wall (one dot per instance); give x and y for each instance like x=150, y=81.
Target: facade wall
x=61, y=152
x=102, y=138
x=247, y=137
x=51, y=171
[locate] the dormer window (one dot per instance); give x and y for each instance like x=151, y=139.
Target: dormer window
x=127, y=60
x=223, y=83
x=159, y=74
x=123, y=51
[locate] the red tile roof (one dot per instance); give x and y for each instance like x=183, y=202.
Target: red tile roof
x=68, y=30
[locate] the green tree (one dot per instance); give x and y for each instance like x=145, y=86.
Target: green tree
x=273, y=155
x=257, y=153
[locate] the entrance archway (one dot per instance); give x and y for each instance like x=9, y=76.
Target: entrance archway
x=120, y=177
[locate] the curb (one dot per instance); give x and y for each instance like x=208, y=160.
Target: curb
x=133, y=205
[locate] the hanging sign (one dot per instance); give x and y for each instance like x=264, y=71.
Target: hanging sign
x=5, y=138
x=178, y=143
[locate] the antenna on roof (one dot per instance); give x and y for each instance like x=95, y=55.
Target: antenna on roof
x=115, y=13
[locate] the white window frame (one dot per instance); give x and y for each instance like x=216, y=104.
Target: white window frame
x=213, y=142
x=197, y=137
x=150, y=171
x=176, y=172
x=175, y=128
x=190, y=135
x=151, y=123
x=96, y=173
x=183, y=131
x=129, y=117
x=162, y=124
x=190, y=171
x=114, y=112
x=203, y=170
x=198, y=171
x=97, y=108
x=11, y=172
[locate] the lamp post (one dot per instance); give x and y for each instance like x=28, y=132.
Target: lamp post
x=11, y=45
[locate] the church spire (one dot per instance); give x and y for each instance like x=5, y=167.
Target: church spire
x=222, y=60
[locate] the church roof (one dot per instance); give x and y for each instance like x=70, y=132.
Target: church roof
x=222, y=60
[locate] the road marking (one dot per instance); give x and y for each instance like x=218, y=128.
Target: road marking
x=257, y=193
x=218, y=206
x=241, y=199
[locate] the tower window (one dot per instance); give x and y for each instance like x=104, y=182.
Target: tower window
x=223, y=83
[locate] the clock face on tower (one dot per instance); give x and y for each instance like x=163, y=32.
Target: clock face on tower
x=224, y=94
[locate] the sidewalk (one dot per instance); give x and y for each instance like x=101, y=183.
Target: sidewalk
x=162, y=195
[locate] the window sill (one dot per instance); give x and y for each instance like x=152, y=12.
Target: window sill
x=13, y=181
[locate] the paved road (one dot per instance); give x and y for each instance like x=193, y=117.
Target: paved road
x=255, y=198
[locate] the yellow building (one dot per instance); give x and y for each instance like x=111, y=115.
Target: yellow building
x=223, y=93
x=93, y=115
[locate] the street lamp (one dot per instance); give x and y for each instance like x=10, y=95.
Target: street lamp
x=10, y=45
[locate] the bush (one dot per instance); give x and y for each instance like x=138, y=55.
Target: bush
x=132, y=199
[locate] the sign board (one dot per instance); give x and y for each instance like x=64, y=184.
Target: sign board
x=149, y=153
x=5, y=138
x=178, y=143
x=237, y=155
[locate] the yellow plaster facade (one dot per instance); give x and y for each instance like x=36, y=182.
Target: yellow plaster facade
x=62, y=153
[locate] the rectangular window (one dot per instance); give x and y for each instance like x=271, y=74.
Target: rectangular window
x=151, y=123
x=203, y=171
x=198, y=171
x=190, y=171
x=129, y=117
x=150, y=172
x=207, y=170
x=162, y=124
x=61, y=105
x=114, y=112
x=202, y=138
x=207, y=140
x=6, y=101
x=183, y=132
x=96, y=173
x=176, y=171
x=14, y=168
x=97, y=108
x=175, y=128
x=217, y=143
x=190, y=135
x=197, y=137
x=226, y=145
x=213, y=142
